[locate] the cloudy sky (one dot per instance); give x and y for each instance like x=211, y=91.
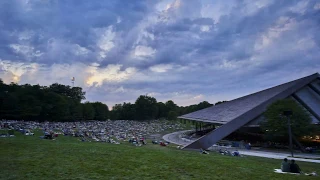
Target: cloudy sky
x=185, y=50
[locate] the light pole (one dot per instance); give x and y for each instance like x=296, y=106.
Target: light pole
x=288, y=113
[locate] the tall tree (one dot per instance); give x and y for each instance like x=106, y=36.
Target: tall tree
x=277, y=125
x=76, y=111
x=162, y=110
x=56, y=107
x=172, y=115
x=128, y=111
x=115, y=114
x=88, y=111
x=171, y=106
x=77, y=94
x=146, y=108
x=203, y=105
x=30, y=107
x=101, y=111
x=74, y=93
x=10, y=106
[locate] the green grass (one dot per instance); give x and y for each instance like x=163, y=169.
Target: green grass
x=27, y=157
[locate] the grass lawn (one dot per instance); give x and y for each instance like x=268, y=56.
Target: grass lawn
x=29, y=157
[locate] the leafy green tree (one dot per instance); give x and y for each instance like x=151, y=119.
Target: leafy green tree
x=76, y=111
x=77, y=94
x=88, y=111
x=10, y=106
x=74, y=93
x=195, y=107
x=171, y=106
x=101, y=111
x=56, y=107
x=277, y=125
x=220, y=102
x=30, y=107
x=146, y=108
x=203, y=105
x=162, y=110
x=172, y=115
x=128, y=111
x=115, y=114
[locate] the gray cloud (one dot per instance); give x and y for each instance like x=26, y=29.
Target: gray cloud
x=187, y=51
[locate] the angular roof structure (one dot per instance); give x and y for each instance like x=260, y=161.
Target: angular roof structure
x=248, y=110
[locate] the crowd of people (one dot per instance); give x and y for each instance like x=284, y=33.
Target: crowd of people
x=229, y=153
x=109, y=131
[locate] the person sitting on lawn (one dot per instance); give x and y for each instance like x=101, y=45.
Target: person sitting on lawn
x=143, y=142
x=285, y=166
x=228, y=153
x=236, y=153
x=294, y=168
x=47, y=135
x=162, y=144
x=221, y=151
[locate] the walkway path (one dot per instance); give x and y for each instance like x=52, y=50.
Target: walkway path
x=175, y=139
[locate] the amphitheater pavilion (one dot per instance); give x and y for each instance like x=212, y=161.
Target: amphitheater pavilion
x=247, y=111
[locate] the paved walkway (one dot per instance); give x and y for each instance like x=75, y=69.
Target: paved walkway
x=274, y=155
x=175, y=139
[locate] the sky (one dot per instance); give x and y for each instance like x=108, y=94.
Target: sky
x=187, y=51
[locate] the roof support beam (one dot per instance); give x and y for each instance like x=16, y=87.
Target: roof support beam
x=314, y=89
x=306, y=106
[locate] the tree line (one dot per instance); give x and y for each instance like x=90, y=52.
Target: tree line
x=56, y=102
x=59, y=102
x=147, y=108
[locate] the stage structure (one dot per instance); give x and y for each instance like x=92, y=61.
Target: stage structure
x=248, y=111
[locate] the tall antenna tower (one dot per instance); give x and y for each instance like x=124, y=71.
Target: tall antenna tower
x=72, y=81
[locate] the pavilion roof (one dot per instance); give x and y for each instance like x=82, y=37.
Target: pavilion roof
x=227, y=111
